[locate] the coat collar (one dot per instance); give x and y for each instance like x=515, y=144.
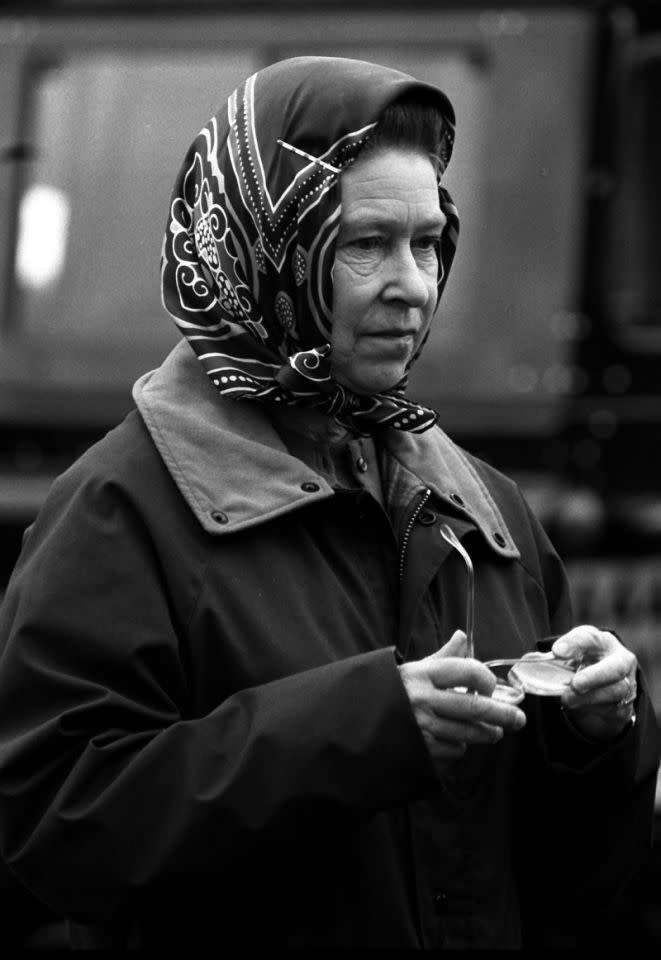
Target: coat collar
x=234, y=470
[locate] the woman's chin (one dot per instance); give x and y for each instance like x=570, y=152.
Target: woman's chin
x=371, y=380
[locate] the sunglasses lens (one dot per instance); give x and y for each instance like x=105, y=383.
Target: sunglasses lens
x=508, y=692
x=545, y=678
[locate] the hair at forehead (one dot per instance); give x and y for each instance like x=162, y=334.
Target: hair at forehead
x=409, y=122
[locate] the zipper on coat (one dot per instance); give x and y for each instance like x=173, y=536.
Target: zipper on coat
x=407, y=533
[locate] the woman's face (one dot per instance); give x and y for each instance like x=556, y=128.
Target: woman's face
x=386, y=267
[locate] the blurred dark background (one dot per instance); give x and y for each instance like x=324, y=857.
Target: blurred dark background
x=546, y=357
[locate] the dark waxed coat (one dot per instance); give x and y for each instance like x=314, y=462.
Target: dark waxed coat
x=203, y=732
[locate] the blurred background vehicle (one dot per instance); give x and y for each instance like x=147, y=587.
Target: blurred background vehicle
x=546, y=356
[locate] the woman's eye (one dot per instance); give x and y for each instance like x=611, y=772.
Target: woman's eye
x=367, y=243
x=427, y=244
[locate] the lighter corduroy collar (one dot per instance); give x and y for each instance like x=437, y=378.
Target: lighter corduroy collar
x=234, y=471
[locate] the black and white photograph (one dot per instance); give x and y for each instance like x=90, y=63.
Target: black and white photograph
x=330, y=475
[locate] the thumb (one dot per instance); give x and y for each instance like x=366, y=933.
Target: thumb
x=455, y=647
x=585, y=642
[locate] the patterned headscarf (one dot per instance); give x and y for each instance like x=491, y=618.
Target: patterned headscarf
x=250, y=239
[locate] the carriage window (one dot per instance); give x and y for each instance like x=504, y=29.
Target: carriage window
x=109, y=134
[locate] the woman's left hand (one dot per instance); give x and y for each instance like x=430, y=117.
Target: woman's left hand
x=600, y=699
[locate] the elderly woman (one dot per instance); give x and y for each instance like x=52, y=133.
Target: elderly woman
x=234, y=704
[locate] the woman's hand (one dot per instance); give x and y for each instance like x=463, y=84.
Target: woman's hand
x=601, y=696
x=450, y=720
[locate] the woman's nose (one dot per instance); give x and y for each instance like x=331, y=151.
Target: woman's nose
x=406, y=280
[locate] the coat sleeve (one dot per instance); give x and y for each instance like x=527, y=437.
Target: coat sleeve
x=586, y=809
x=111, y=790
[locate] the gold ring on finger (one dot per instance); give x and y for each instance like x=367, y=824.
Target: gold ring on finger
x=625, y=702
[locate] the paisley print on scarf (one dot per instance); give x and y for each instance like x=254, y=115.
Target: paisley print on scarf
x=246, y=266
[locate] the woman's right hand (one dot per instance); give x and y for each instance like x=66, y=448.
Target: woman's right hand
x=449, y=720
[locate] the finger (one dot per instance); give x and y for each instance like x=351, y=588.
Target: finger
x=611, y=670
x=586, y=643
x=448, y=672
x=455, y=647
x=624, y=707
x=452, y=731
x=622, y=692
x=606, y=711
x=471, y=708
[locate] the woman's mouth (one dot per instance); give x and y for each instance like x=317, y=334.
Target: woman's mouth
x=392, y=334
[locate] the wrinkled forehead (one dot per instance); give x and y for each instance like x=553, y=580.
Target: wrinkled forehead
x=390, y=188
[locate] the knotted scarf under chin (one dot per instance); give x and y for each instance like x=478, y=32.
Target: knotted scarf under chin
x=359, y=412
